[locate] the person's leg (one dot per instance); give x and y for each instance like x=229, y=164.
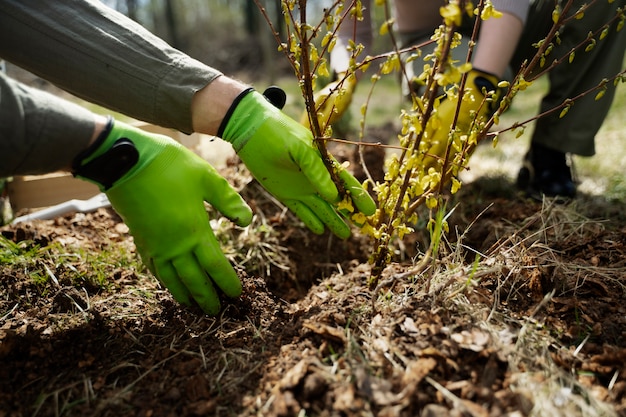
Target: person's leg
x=576, y=131
x=545, y=170
x=416, y=22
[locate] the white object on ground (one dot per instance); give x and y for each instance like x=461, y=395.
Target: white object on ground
x=83, y=206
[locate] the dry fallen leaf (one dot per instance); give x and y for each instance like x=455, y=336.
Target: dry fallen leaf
x=325, y=330
x=475, y=339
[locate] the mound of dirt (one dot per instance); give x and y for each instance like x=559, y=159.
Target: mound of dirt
x=534, y=325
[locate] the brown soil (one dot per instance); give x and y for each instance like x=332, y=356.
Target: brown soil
x=539, y=325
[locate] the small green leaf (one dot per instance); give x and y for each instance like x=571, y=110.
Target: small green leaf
x=556, y=14
x=591, y=45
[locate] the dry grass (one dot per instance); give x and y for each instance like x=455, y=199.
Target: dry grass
x=527, y=341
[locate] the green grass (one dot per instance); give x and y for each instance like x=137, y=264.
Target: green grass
x=602, y=174
x=55, y=264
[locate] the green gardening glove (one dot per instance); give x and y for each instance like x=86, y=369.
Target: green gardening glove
x=159, y=187
x=280, y=154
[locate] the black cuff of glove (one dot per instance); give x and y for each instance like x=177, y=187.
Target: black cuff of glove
x=482, y=81
x=108, y=167
x=231, y=110
x=273, y=94
x=78, y=160
x=276, y=96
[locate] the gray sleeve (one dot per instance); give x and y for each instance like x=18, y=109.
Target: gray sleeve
x=104, y=57
x=39, y=132
x=518, y=8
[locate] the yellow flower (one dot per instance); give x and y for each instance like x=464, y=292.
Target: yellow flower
x=489, y=11
x=469, y=8
x=359, y=218
x=368, y=230
x=522, y=84
x=327, y=38
x=465, y=68
x=604, y=33
x=392, y=63
x=556, y=14
x=345, y=205
x=403, y=230
x=384, y=28
x=431, y=202
x=451, y=14
x=456, y=185
x=323, y=69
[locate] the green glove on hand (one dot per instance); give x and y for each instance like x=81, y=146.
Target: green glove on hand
x=332, y=101
x=474, y=107
x=159, y=187
x=280, y=154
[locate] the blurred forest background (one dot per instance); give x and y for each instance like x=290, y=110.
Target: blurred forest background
x=230, y=35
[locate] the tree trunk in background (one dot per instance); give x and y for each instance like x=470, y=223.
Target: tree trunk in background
x=257, y=28
x=131, y=9
x=253, y=17
x=172, y=26
x=279, y=22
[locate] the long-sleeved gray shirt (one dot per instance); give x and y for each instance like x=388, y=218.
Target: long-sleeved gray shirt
x=97, y=54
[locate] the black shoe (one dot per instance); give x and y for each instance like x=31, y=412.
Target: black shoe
x=545, y=172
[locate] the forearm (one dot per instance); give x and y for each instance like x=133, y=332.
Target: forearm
x=496, y=43
x=101, y=56
x=517, y=8
x=210, y=104
x=42, y=133
x=39, y=132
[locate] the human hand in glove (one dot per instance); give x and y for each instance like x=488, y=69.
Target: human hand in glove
x=331, y=102
x=478, y=104
x=280, y=154
x=159, y=187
